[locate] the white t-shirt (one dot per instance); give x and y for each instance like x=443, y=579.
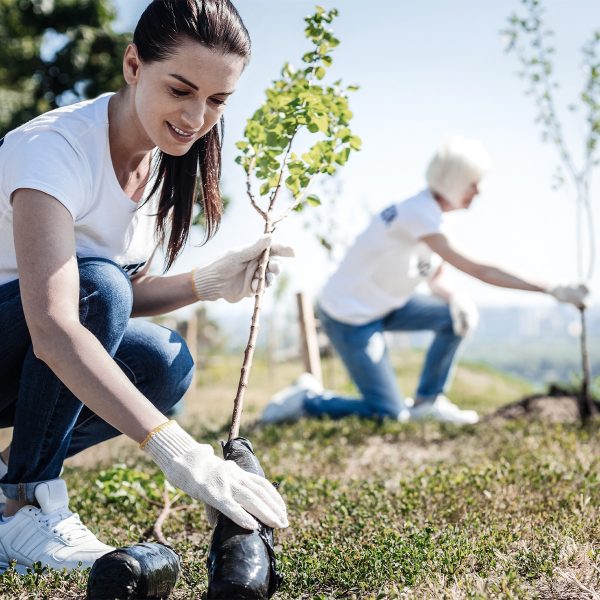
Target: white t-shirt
x=386, y=262
x=66, y=154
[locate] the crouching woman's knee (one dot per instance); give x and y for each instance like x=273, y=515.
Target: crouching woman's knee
x=177, y=370
x=105, y=298
x=172, y=368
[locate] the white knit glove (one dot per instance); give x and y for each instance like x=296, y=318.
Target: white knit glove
x=464, y=313
x=194, y=468
x=234, y=276
x=571, y=294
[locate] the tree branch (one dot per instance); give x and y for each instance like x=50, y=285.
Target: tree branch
x=275, y=192
x=260, y=211
x=162, y=517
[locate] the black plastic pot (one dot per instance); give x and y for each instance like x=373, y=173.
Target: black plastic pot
x=146, y=571
x=241, y=563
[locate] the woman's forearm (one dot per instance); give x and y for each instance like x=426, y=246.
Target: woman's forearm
x=156, y=295
x=79, y=360
x=499, y=277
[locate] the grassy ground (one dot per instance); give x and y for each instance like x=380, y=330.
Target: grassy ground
x=500, y=510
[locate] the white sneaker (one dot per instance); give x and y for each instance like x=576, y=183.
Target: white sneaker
x=288, y=404
x=310, y=384
x=3, y=472
x=403, y=415
x=51, y=535
x=444, y=411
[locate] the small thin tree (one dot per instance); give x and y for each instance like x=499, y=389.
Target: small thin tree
x=532, y=42
x=296, y=104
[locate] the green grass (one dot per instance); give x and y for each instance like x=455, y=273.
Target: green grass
x=500, y=510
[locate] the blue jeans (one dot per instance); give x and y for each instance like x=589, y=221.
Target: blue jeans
x=50, y=423
x=363, y=351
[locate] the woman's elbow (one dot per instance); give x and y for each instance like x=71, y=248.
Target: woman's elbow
x=48, y=337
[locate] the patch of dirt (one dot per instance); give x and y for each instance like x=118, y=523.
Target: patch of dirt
x=378, y=453
x=400, y=456
x=554, y=407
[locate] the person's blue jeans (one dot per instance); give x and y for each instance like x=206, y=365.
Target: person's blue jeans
x=50, y=423
x=363, y=351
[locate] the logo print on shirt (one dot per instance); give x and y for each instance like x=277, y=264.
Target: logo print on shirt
x=133, y=268
x=424, y=266
x=389, y=214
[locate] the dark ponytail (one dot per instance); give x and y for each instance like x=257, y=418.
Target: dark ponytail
x=193, y=177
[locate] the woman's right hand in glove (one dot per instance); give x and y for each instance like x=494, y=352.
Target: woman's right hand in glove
x=570, y=294
x=219, y=483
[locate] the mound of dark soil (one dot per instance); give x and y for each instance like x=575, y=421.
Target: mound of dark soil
x=556, y=406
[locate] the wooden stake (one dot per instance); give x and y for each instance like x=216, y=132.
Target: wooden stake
x=309, y=341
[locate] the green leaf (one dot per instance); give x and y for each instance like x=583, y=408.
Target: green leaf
x=313, y=200
x=355, y=142
x=293, y=184
x=341, y=158
x=321, y=121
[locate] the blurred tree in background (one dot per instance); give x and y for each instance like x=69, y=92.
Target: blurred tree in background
x=54, y=52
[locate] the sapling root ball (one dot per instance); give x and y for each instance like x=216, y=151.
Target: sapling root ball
x=241, y=563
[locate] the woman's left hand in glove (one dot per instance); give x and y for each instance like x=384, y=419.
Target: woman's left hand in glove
x=234, y=276
x=464, y=313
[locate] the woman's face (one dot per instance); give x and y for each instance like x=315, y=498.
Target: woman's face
x=178, y=100
x=470, y=194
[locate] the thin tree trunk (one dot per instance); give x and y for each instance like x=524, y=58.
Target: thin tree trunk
x=238, y=403
x=587, y=407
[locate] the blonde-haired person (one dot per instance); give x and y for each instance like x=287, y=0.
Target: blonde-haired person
x=373, y=291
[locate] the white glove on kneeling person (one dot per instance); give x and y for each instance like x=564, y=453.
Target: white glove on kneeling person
x=570, y=294
x=464, y=313
x=219, y=483
x=234, y=276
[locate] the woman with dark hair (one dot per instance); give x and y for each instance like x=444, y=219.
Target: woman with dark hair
x=87, y=193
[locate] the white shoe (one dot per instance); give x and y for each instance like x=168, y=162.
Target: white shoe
x=444, y=411
x=403, y=415
x=310, y=384
x=3, y=472
x=288, y=404
x=51, y=535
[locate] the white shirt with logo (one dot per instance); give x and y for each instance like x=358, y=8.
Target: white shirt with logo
x=386, y=262
x=66, y=154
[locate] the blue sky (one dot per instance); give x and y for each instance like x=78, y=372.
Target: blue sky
x=426, y=70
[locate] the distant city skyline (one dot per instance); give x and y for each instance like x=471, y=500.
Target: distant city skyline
x=426, y=70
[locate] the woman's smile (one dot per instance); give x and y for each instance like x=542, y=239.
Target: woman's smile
x=181, y=135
